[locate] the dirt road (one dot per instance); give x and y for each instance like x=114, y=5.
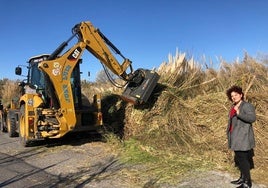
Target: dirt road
x=82, y=161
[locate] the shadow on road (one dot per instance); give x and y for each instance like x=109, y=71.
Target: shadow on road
x=15, y=172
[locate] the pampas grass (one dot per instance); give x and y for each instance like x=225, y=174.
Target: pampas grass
x=190, y=115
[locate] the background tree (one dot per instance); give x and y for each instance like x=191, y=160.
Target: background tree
x=102, y=77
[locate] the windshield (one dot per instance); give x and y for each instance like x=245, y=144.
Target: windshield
x=37, y=77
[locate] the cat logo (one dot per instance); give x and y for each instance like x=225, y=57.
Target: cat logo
x=75, y=54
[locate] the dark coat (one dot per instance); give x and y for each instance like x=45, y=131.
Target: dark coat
x=242, y=136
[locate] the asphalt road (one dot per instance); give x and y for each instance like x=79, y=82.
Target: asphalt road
x=15, y=171
x=74, y=162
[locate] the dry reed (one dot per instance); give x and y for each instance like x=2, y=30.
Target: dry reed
x=190, y=115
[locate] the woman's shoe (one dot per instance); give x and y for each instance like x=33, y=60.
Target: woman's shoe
x=246, y=184
x=238, y=182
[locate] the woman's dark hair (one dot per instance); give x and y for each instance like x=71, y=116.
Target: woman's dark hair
x=236, y=89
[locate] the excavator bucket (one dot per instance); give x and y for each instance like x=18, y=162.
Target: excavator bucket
x=140, y=88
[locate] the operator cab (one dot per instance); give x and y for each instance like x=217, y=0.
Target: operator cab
x=36, y=79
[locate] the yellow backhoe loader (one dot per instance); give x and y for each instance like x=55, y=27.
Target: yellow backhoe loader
x=52, y=105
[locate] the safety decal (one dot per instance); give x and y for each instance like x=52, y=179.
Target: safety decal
x=56, y=70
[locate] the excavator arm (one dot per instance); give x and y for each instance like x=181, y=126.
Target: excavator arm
x=59, y=67
x=98, y=45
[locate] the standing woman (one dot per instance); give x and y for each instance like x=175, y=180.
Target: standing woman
x=240, y=134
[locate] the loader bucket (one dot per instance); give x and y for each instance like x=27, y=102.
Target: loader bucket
x=140, y=88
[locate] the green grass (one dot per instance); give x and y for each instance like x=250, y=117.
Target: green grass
x=164, y=166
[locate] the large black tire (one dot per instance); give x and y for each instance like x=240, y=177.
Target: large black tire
x=22, y=127
x=3, y=125
x=1, y=122
x=12, y=125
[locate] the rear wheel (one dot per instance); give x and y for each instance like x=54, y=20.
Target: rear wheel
x=23, y=135
x=11, y=125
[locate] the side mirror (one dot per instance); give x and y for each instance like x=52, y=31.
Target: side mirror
x=21, y=84
x=18, y=71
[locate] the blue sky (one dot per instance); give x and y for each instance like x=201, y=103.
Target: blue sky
x=145, y=31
